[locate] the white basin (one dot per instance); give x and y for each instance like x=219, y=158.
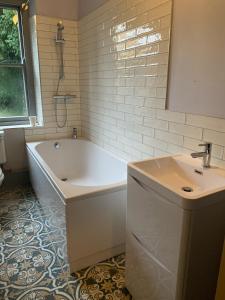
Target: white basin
x=178, y=172
x=174, y=237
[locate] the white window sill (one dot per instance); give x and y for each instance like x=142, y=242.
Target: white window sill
x=28, y=126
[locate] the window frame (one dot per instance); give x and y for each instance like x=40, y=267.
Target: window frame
x=26, y=64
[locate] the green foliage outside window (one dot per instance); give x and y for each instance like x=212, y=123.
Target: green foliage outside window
x=12, y=94
x=9, y=37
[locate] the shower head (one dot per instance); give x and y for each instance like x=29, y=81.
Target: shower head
x=60, y=28
x=60, y=25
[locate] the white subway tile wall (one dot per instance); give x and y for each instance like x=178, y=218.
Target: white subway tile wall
x=124, y=54
x=123, y=59
x=49, y=72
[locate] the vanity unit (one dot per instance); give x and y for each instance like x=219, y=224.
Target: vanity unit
x=175, y=229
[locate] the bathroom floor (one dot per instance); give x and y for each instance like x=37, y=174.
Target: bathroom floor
x=32, y=265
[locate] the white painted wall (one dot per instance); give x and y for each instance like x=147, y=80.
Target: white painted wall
x=15, y=150
x=63, y=9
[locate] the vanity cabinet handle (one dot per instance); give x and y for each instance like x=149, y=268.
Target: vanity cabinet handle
x=141, y=184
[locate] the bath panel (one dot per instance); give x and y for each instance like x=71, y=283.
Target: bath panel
x=84, y=188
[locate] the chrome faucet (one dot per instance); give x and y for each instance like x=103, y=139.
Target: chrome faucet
x=206, y=155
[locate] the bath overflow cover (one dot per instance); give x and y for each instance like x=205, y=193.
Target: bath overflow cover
x=187, y=189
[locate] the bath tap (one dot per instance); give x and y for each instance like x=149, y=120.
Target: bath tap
x=56, y=145
x=206, y=155
x=74, y=136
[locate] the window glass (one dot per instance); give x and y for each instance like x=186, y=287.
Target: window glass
x=13, y=102
x=12, y=92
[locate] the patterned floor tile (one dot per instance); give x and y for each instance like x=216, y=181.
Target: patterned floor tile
x=102, y=281
x=38, y=293
x=33, y=264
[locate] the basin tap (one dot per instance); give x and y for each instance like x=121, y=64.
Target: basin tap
x=206, y=155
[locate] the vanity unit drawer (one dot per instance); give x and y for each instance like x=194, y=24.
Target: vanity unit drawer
x=146, y=278
x=155, y=222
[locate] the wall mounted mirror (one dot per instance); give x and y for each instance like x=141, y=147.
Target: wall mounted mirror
x=197, y=58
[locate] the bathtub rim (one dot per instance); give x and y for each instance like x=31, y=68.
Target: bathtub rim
x=67, y=191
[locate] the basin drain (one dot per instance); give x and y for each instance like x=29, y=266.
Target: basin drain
x=187, y=189
x=64, y=179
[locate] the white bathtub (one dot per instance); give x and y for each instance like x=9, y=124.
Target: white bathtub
x=84, y=187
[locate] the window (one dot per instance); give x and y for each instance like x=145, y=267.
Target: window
x=16, y=99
